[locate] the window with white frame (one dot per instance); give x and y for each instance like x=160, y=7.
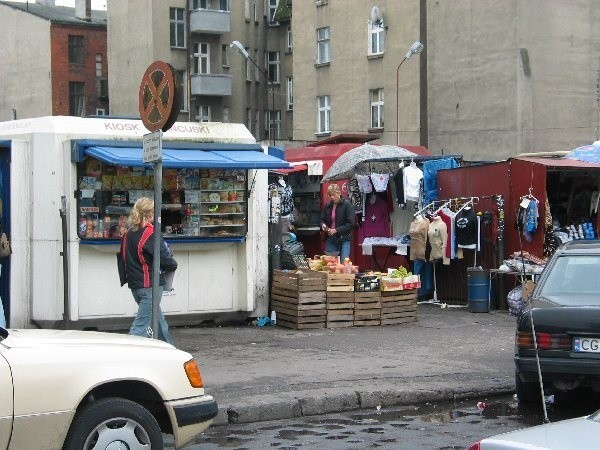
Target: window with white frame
x=201, y=57
x=199, y=4
x=272, y=9
x=225, y=55
x=99, y=65
x=248, y=67
x=289, y=93
x=288, y=40
x=249, y=119
x=376, y=37
x=323, y=114
x=100, y=111
x=323, y=45
x=376, y=108
x=247, y=10
x=203, y=113
x=183, y=102
x=177, y=27
x=224, y=5
x=273, y=66
x=273, y=124
x=255, y=9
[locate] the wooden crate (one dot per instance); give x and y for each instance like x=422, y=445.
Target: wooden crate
x=340, y=309
x=340, y=282
x=299, y=298
x=398, y=307
x=367, y=308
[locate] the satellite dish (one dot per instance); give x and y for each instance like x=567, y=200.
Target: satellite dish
x=376, y=15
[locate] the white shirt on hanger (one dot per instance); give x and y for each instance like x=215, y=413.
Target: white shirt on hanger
x=412, y=182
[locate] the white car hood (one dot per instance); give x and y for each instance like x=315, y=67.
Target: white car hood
x=29, y=338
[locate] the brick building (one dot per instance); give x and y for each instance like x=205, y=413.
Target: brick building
x=53, y=60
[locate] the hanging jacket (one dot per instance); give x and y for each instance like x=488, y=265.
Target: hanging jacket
x=344, y=218
x=138, y=247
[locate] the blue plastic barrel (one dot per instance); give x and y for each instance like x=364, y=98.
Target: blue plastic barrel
x=478, y=289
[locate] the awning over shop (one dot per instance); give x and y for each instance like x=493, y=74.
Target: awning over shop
x=221, y=156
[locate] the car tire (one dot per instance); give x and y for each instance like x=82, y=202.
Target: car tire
x=527, y=392
x=113, y=420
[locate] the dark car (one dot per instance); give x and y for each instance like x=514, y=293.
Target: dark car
x=565, y=306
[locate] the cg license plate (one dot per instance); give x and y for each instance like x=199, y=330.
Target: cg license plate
x=586, y=345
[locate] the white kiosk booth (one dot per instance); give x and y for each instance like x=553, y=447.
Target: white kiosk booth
x=67, y=185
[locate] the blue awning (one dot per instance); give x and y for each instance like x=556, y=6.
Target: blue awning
x=190, y=158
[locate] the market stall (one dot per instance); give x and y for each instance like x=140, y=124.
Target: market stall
x=89, y=172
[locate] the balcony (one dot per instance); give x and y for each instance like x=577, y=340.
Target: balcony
x=210, y=84
x=210, y=21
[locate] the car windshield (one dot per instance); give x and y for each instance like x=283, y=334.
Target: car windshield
x=574, y=280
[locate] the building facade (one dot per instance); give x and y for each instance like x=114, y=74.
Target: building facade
x=53, y=61
x=218, y=83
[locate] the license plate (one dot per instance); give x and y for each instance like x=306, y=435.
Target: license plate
x=586, y=345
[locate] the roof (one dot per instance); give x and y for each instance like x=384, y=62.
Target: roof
x=559, y=162
x=58, y=14
x=344, y=138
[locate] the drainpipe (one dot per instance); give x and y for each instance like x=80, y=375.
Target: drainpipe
x=65, y=257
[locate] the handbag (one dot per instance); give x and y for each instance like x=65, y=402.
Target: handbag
x=5, y=248
x=121, y=262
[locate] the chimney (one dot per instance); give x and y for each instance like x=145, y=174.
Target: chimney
x=83, y=10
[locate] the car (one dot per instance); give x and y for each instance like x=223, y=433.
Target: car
x=580, y=433
x=69, y=389
x=565, y=307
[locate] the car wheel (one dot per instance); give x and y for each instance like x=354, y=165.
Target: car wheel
x=527, y=392
x=114, y=423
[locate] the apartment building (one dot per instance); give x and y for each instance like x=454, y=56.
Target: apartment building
x=219, y=82
x=53, y=60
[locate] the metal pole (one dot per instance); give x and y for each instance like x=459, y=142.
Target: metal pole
x=398, y=102
x=156, y=293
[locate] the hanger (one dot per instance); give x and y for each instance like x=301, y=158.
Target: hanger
x=412, y=162
x=401, y=165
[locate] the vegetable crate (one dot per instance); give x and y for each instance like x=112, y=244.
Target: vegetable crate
x=398, y=307
x=340, y=309
x=366, y=283
x=367, y=308
x=340, y=282
x=299, y=298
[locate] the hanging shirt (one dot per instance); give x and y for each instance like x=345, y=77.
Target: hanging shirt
x=437, y=234
x=418, y=239
x=376, y=220
x=466, y=225
x=399, y=185
x=412, y=182
x=447, y=216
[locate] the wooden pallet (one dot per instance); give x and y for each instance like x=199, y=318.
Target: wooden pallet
x=340, y=300
x=398, y=307
x=340, y=282
x=301, y=280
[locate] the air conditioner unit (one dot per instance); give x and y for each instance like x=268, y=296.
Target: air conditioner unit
x=103, y=88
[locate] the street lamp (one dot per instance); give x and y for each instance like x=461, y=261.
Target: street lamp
x=414, y=49
x=239, y=48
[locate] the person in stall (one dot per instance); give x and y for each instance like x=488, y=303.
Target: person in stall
x=337, y=222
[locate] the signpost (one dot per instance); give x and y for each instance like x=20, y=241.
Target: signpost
x=159, y=107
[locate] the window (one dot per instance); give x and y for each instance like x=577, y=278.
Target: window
x=225, y=116
x=247, y=10
x=100, y=111
x=203, y=114
x=248, y=64
x=99, y=65
x=201, y=58
x=182, y=77
x=376, y=108
x=177, y=30
x=289, y=93
x=76, y=55
x=376, y=37
x=225, y=55
x=288, y=40
x=323, y=114
x=323, y=45
x=199, y=4
x=76, y=99
x=249, y=119
x=273, y=66
x=273, y=124
x=272, y=10
x=223, y=5
x=257, y=124
x=255, y=8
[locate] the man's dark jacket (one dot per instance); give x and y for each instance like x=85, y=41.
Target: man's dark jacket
x=344, y=218
x=138, y=247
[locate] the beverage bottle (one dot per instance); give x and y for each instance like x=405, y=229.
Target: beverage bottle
x=82, y=224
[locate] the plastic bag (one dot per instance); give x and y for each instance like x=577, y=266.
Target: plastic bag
x=515, y=301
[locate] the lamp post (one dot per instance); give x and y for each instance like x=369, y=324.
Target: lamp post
x=239, y=48
x=414, y=49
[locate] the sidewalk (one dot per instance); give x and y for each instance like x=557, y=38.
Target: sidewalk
x=269, y=373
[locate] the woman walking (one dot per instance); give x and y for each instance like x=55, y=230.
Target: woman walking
x=137, y=247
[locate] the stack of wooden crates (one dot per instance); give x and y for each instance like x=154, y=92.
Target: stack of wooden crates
x=340, y=300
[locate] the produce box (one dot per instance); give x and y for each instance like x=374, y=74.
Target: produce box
x=340, y=282
x=398, y=307
x=340, y=309
x=400, y=284
x=366, y=283
x=367, y=308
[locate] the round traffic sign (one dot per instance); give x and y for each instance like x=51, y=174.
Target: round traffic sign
x=159, y=96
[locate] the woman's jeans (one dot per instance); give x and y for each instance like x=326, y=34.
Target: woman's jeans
x=142, y=324
x=333, y=244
